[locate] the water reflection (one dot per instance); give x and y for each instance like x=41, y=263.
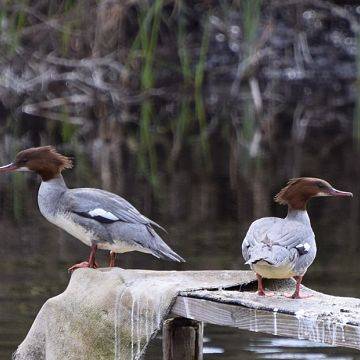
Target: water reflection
x=239, y=344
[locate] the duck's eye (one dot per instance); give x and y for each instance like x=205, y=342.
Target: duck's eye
x=23, y=161
x=321, y=185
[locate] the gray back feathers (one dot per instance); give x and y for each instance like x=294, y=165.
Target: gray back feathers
x=279, y=242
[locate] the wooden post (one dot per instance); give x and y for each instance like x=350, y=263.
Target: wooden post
x=182, y=339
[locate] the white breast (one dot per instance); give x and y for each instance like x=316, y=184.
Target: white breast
x=273, y=272
x=122, y=247
x=66, y=223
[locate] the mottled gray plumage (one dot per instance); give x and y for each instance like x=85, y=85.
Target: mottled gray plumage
x=84, y=200
x=280, y=248
x=99, y=217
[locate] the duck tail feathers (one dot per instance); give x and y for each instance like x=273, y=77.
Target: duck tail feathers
x=257, y=259
x=169, y=255
x=163, y=251
x=158, y=226
x=160, y=249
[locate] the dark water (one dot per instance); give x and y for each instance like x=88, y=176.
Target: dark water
x=206, y=224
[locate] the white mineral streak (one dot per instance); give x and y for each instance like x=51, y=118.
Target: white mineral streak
x=343, y=339
x=256, y=324
x=116, y=323
x=143, y=307
x=187, y=309
x=332, y=330
x=357, y=330
x=321, y=327
x=143, y=302
x=308, y=326
x=251, y=322
x=275, y=320
x=147, y=320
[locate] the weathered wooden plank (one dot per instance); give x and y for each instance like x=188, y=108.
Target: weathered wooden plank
x=182, y=339
x=270, y=319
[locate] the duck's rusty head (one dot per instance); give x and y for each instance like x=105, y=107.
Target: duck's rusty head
x=44, y=160
x=298, y=191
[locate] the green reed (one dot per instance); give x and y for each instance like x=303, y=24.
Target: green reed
x=182, y=122
x=15, y=23
x=149, y=32
x=198, y=95
x=67, y=129
x=251, y=11
x=248, y=123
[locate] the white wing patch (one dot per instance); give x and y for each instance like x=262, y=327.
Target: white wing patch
x=303, y=248
x=104, y=214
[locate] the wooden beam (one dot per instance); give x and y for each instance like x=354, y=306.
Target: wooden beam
x=182, y=339
x=269, y=320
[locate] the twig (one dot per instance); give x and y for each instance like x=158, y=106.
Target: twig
x=75, y=120
x=333, y=8
x=246, y=66
x=256, y=94
x=73, y=99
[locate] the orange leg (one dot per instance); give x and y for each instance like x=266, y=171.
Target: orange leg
x=261, y=290
x=87, y=264
x=296, y=294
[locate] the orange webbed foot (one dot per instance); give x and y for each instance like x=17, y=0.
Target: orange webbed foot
x=298, y=296
x=84, y=264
